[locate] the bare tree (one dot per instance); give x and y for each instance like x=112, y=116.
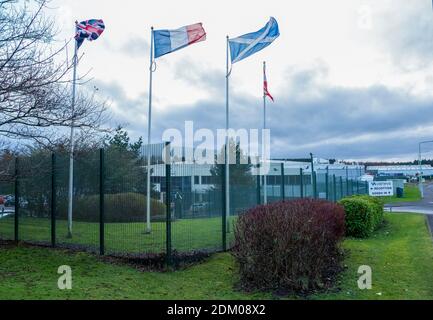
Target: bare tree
x=34, y=85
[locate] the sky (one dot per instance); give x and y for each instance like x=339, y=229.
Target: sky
x=352, y=79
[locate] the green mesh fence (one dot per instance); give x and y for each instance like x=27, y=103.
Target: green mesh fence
x=81, y=230
x=128, y=226
x=196, y=208
x=109, y=199
x=34, y=182
x=7, y=194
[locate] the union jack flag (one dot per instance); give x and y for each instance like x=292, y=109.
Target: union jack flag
x=265, y=84
x=89, y=29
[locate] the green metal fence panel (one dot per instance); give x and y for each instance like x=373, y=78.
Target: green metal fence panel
x=321, y=182
x=308, y=185
x=102, y=202
x=197, y=192
x=7, y=192
x=53, y=201
x=128, y=229
x=34, y=176
x=301, y=183
x=187, y=202
x=243, y=193
x=81, y=229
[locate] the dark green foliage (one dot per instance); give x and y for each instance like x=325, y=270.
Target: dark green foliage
x=364, y=215
x=377, y=205
x=123, y=207
x=124, y=164
x=125, y=173
x=359, y=217
x=240, y=173
x=242, y=182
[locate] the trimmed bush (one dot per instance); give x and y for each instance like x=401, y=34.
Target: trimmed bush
x=289, y=246
x=377, y=206
x=359, y=217
x=364, y=215
x=122, y=207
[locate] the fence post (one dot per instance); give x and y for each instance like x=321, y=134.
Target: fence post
x=347, y=180
x=367, y=191
x=53, y=199
x=314, y=177
x=301, y=184
x=327, y=183
x=283, y=186
x=224, y=208
x=335, y=188
x=258, y=179
x=101, y=202
x=357, y=187
x=341, y=187
x=168, y=213
x=17, y=201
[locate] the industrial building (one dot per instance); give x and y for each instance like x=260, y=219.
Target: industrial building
x=198, y=178
x=402, y=171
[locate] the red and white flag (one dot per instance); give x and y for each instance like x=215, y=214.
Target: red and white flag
x=265, y=85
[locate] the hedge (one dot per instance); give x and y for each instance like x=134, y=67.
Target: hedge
x=122, y=207
x=377, y=205
x=289, y=246
x=364, y=215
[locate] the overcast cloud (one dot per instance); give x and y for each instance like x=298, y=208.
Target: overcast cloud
x=343, y=88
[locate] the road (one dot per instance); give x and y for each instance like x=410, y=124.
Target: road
x=424, y=206
x=7, y=212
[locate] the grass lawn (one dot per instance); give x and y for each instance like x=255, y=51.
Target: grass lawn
x=401, y=255
x=187, y=235
x=411, y=194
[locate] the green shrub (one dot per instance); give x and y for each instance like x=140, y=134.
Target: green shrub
x=360, y=219
x=122, y=207
x=364, y=214
x=377, y=205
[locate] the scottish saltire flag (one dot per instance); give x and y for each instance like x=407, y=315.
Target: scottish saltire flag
x=265, y=85
x=248, y=44
x=167, y=41
x=89, y=29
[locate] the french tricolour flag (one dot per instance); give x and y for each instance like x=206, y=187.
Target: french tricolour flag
x=167, y=41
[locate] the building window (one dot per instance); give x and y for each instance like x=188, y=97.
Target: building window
x=206, y=180
x=197, y=180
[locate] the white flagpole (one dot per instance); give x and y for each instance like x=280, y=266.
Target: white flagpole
x=71, y=154
x=149, y=138
x=227, y=155
x=265, y=184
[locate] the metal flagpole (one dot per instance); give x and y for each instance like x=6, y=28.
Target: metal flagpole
x=265, y=184
x=71, y=154
x=149, y=137
x=227, y=155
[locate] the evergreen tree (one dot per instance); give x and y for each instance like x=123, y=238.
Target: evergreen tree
x=125, y=164
x=242, y=182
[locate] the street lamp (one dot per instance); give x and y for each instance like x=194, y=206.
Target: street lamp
x=420, y=167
